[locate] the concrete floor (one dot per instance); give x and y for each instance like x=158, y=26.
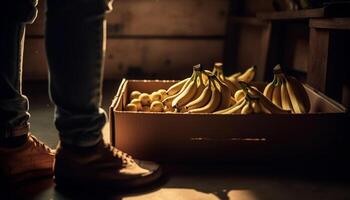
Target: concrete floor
x=181, y=182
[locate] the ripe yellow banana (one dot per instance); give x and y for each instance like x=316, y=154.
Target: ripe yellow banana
x=176, y=87
x=200, y=86
x=247, y=108
x=218, y=72
x=233, y=77
x=248, y=75
x=276, y=95
x=223, y=111
x=285, y=100
x=201, y=101
x=213, y=103
x=168, y=101
x=237, y=109
x=256, y=106
x=186, y=96
x=292, y=92
x=268, y=91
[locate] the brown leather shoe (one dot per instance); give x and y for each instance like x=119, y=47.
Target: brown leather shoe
x=31, y=160
x=101, y=166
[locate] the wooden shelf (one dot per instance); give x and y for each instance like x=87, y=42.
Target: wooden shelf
x=332, y=23
x=247, y=21
x=332, y=10
x=286, y=15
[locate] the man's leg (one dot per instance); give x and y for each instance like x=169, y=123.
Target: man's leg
x=76, y=43
x=17, y=150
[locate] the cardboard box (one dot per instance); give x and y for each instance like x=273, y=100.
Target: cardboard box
x=212, y=137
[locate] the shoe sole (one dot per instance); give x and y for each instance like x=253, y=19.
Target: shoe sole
x=67, y=183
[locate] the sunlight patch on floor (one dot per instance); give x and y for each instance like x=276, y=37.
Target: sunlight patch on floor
x=175, y=194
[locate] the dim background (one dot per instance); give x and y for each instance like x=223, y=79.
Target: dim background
x=162, y=39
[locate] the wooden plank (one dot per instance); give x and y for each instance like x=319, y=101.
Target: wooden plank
x=162, y=59
x=248, y=46
x=332, y=23
x=247, y=21
x=264, y=52
x=289, y=14
x=334, y=9
x=317, y=68
x=159, y=18
x=159, y=59
x=296, y=51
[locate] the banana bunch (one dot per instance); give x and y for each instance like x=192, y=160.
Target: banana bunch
x=147, y=102
x=200, y=93
x=250, y=100
x=287, y=92
x=247, y=76
x=215, y=96
x=218, y=72
x=184, y=91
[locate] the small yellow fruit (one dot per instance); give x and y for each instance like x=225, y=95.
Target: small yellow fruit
x=145, y=99
x=137, y=103
x=157, y=106
x=156, y=96
x=134, y=94
x=145, y=108
x=131, y=107
x=163, y=93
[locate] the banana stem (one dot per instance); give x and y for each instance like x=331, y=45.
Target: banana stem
x=245, y=86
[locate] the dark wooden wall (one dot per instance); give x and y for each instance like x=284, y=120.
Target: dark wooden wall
x=147, y=38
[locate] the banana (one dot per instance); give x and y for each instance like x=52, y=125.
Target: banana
x=239, y=95
x=185, y=96
x=265, y=102
x=218, y=72
x=248, y=75
x=193, y=90
x=234, y=76
x=177, y=87
x=225, y=97
x=285, y=100
x=276, y=95
x=268, y=90
x=168, y=100
x=298, y=96
x=237, y=108
x=292, y=93
x=213, y=103
x=201, y=101
x=256, y=106
x=200, y=86
x=247, y=108
x=229, y=108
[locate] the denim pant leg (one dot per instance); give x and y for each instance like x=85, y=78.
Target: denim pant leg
x=75, y=45
x=14, y=114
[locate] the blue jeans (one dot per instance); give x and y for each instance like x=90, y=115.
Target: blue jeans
x=75, y=38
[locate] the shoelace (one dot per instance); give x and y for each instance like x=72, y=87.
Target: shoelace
x=126, y=159
x=38, y=143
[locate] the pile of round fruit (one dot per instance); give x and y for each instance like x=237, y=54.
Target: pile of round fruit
x=213, y=92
